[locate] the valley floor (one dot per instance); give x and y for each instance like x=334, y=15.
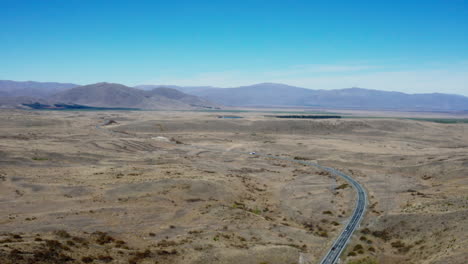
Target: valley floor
x=148, y=190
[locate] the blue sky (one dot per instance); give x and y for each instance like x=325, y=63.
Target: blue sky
x=410, y=46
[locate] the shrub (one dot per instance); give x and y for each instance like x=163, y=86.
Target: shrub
x=382, y=234
x=364, y=261
x=87, y=259
x=357, y=247
x=342, y=186
x=105, y=259
x=366, y=231
x=323, y=234
x=62, y=234
x=402, y=248
x=39, y=158
x=103, y=238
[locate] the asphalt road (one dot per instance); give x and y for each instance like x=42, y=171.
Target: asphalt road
x=333, y=254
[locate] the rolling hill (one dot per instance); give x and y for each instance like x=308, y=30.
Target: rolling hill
x=259, y=95
x=32, y=89
x=118, y=95
x=185, y=89
x=272, y=94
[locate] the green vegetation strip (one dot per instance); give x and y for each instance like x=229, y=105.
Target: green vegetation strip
x=435, y=120
x=261, y=111
x=442, y=120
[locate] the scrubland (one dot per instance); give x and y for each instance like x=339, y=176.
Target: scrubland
x=181, y=187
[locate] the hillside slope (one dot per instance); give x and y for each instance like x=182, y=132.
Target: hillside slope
x=117, y=95
x=32, y=89
x=174, y=94
x=271, y=94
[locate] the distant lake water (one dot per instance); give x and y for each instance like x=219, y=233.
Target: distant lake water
x=230, y=117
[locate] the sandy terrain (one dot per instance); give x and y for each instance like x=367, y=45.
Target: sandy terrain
x=173, y=187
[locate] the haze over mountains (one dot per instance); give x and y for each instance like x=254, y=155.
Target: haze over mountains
x=32, y=89
x=105, y=95
x=117, y=95
x=258, y=95
x=273, y=94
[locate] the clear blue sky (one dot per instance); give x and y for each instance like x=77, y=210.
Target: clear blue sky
x=412, y=46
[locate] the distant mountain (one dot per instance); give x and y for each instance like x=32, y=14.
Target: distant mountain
x=373, y=99
x=174, y=94
x=118, y=95
x=102, y=94
x=185, y=89
x=262, y=95
x=272, y=94
x=32, y=89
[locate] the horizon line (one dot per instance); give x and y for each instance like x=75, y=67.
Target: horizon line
x=235, y=87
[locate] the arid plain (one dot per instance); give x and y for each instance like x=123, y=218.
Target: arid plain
x=181, y=187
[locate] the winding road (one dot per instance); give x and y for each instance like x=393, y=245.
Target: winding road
x=333, y=254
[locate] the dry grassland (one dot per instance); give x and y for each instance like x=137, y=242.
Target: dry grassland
x=174, y=187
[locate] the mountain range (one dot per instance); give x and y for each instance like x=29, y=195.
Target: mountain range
x=192, y=97
x=32, y=89
x=282, y=95
x=104, y=94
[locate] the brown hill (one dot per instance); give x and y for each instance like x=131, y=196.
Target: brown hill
x=117, y=95
x=174, y=94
